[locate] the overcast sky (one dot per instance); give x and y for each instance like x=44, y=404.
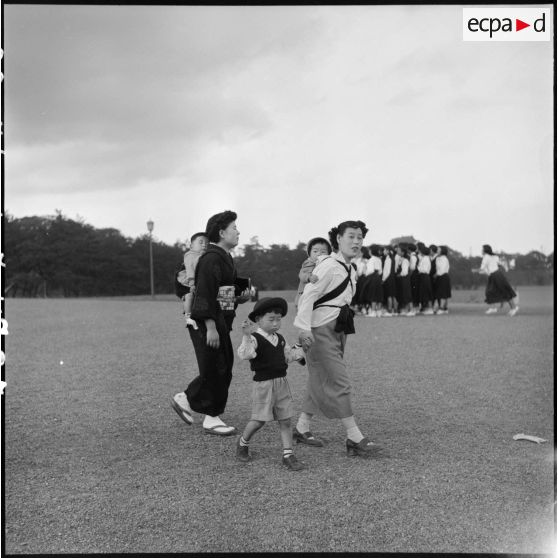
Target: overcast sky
x=297, y=118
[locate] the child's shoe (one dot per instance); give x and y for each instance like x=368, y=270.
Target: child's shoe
x=513, y=311
x=291, y=462
x=491, y=311
x=306, y=438
x=364, y=448
x=242, y=452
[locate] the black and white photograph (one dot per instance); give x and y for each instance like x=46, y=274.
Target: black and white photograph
x=278, y=278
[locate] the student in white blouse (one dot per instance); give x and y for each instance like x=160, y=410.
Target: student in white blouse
x=373, y=290
x=498, y=288
x=403, y=282
x=413, y=265
x=388, y=282
x=424, y=284
x=442, y=285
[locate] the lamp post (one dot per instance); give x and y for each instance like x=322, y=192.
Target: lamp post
x=150, y=229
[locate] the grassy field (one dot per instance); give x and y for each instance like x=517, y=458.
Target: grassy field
x=97, y=461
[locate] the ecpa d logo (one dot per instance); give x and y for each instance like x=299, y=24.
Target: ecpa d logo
x=506, y=24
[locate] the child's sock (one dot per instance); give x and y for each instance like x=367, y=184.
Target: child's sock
x=287, y=452
x=244, y=442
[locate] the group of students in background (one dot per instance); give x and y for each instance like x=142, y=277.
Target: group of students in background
x=402, y=280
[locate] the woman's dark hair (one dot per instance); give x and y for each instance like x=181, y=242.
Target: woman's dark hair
x=217, y=223
x=423, y=249
x=411, y=247
x=444, y=250
x=196, y=235
x=487, y=249
x=340, y=229
x=376, y=250
x=318, y=240
x=404, y=250
x=365, y=252
x=433, y=248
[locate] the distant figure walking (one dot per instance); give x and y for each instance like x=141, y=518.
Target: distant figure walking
x=498, y=288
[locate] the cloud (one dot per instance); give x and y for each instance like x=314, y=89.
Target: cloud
x=297, y=116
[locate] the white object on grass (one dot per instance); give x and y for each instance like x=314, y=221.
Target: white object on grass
x=530, y=438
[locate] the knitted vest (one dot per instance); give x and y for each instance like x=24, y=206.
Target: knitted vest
x=269, y=362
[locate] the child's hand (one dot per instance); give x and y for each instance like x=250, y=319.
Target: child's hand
x=190, y=322
x=247, y=327
x=313, y=278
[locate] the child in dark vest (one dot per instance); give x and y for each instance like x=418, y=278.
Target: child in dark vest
x=269, y=356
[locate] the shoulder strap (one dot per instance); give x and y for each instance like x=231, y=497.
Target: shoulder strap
x=339, y=289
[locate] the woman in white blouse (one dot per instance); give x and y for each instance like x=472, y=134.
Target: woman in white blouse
x=324, y=319
x=498, y=288
x=373, y=289
x=442, y=285
x=424, y=282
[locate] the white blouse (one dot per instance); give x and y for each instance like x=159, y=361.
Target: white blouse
x=442, y=265
x=330, y=274
x=404, y=271
x=374, y=265
x=424, y=265
x=489, y=264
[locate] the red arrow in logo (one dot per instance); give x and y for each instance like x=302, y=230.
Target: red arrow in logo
x=519, y=25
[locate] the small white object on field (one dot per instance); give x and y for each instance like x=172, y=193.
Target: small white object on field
x=530, y=438
x=61, y=362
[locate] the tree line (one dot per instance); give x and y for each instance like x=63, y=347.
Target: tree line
x=56, y=256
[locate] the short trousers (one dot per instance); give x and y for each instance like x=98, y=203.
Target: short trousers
x=272, y=400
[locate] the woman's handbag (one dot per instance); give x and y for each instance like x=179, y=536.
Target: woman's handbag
x=345, y=322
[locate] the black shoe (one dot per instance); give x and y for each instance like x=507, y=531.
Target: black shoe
x=242, y=452
x=292, y=463
x=306, y=438
x=364, y=448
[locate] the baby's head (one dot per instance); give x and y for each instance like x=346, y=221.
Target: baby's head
x=268, y=312
x=318, y=247
x=198, y=242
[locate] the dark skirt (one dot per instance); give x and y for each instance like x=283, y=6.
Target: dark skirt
x=443, y=287
x=415, y=287
x=403, y=285
x=373, y=289
x=425, y=289
x=390, y=289
x=358, y=298
x=498, y=288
